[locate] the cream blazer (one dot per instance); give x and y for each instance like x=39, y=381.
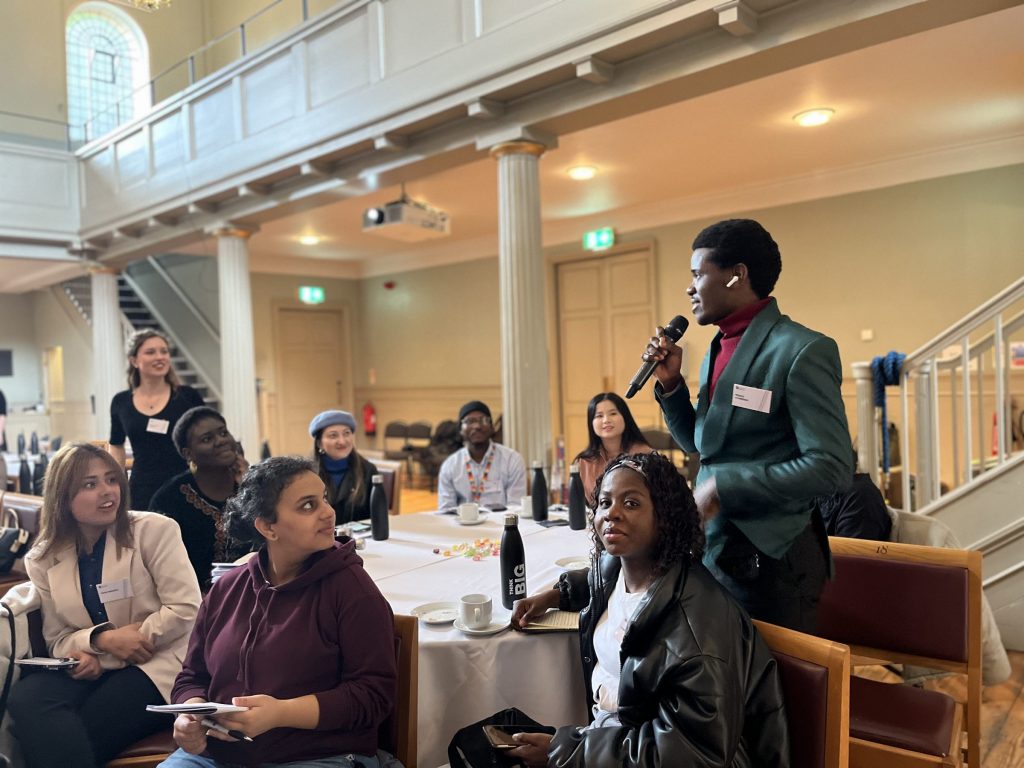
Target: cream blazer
x=166, y=596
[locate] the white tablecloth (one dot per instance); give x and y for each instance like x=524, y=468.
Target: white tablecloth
x=463, y=679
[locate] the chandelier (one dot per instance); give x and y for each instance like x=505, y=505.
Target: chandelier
x=146, y=5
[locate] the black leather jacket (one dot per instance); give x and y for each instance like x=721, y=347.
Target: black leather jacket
x=698, y=688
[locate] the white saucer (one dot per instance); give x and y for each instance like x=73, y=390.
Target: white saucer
x=578, y=563
x=436, y=613
x=481, y=519
x=491, y=629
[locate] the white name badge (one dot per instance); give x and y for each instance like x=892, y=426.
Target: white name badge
x=160, y=426
x=115, y=590
x=752, y=398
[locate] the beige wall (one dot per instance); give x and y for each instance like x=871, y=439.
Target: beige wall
x=26, y=386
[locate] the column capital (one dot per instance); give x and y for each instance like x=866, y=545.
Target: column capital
x=95, y=268
x=230, y=229
x=517, y=148
x=516, y=139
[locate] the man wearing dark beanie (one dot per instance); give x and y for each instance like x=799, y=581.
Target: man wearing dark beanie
x=482, y=470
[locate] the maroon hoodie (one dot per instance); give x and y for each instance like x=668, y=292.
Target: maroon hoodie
x=329, y=632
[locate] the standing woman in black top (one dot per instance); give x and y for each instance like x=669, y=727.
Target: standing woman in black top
x=346, y=474
x=146, y=413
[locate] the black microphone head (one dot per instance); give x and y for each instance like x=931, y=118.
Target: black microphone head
x=676, y=327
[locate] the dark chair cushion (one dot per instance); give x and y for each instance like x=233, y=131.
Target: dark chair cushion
x=915, y=608
x=160, y=743
x=901, y=716
x=805, y=686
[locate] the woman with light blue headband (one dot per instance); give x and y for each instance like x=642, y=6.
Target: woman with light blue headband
x=346, y=474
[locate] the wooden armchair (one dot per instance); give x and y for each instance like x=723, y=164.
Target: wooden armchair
x=816, y=682
x=912, y=605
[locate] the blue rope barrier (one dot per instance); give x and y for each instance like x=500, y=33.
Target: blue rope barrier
x=886, y=373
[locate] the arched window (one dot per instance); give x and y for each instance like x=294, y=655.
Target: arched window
x=108, y=68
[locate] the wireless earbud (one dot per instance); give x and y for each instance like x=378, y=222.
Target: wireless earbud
x=732, y=281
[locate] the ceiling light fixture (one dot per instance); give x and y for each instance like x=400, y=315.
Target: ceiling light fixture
x=582, y=172
x=309, y=240
x=813, y=117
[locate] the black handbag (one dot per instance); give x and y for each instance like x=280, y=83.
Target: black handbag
x=13, y=539
x=469, y=748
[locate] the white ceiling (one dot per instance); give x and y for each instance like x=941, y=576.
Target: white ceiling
x=945, y=101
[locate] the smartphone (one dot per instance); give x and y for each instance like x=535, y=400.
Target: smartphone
x=499, y=738
x=497, y=507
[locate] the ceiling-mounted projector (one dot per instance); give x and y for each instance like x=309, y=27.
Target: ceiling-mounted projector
x=406, y=220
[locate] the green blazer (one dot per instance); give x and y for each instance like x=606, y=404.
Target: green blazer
x=770, y=466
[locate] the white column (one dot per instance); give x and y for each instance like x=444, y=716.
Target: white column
x=526, y=412
x=867, y=421
x=109, y=364
x=924, y=439
x=237, y=349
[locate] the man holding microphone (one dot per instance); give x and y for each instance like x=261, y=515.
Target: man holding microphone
x=769, y=425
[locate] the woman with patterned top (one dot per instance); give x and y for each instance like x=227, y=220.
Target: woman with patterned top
x=195, y=499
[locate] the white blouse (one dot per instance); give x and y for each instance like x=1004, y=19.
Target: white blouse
x=611, y=628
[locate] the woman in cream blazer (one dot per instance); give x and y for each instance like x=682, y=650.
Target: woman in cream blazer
x=118, y=595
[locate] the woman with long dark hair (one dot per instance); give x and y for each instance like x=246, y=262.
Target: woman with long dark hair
x=676, y=673
x=345, y=473
x=611, y=431
x=146, y=413
x=116, y=594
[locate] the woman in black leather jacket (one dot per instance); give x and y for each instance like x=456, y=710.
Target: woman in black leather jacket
x=698, y=686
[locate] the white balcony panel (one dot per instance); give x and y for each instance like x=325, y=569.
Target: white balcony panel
x=361, y=65
x=268, y=94
x=38, y=193
x=495, y=14
x=213, y=120
x=168, y=143
x=132, y=159
x=417, y=30
x=339, y=58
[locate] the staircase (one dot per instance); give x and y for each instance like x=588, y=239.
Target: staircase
x=961, y=437
x=135, y=315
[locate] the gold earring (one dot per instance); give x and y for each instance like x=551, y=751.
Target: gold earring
x=192, y=467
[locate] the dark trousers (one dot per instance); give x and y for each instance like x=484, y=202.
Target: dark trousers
x=785, y=591
x=70, y=723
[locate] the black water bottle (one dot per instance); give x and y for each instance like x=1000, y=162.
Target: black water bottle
x=379, y=525
x=577, y=502
x=539, y=492
x=33, y=444
x=39, y=474
x=25, y=476
x=513, y=563
x=21, y=443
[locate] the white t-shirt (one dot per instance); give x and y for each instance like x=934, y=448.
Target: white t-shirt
x=611, y=628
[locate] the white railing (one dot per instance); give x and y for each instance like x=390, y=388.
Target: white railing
x=958, y=361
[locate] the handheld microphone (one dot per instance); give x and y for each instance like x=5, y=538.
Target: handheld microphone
x=674, y=331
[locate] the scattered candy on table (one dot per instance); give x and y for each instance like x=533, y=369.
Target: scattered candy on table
x=478, y=550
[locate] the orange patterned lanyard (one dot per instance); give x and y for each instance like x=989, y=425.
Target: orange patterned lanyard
x=476, y=490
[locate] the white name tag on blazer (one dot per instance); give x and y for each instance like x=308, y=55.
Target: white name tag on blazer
x=752, y=398
x=115, y=590
x=160, y=426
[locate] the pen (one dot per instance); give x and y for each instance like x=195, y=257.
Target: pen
x=215, y=726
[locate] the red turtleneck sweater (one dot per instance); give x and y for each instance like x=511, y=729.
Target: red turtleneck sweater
x=732, y=328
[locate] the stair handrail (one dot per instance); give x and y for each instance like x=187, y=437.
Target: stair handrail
x=986, y=342
x=969, y=322
x=190, y=305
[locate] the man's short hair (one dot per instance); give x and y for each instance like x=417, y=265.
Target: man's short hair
x=744, y=241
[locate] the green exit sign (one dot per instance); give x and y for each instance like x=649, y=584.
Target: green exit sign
x=599, y=239
x=311, y=294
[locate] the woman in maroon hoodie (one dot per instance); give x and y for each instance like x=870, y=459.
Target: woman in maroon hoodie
x=300, y=635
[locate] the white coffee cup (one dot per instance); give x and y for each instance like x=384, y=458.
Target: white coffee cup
x=526, y=510
x=475, y=611
x=469, y=512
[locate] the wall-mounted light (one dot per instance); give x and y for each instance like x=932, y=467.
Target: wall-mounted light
x=810, y=118
x=309, y=240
